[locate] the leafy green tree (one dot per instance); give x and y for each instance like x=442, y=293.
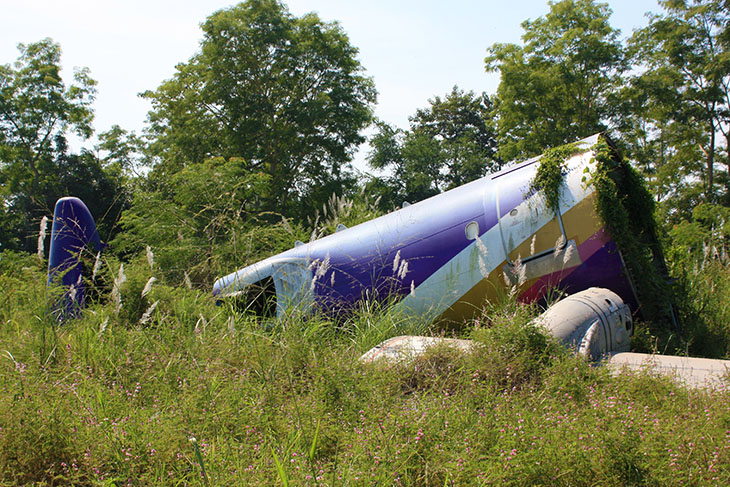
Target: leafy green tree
x=559, y=86
x=122, y=150
x=284, y=93
x=37, y=111
x=682, y=98
x=449, y=143
x=202, y=219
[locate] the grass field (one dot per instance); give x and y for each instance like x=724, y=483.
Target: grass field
x=194, y=394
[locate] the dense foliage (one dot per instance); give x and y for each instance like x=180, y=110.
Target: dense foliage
x=449, y=143
x=560, y=86
x=37, y=111
x=200, y=395
x=285, y=94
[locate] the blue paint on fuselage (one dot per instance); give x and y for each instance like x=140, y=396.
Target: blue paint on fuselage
x=426, y=235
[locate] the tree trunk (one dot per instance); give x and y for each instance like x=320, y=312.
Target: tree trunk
x=710, y=196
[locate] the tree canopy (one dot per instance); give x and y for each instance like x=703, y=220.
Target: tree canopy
x=558, y=87
x=37, y=111
x=286, y=94
x=449, y=143
x=683, y=86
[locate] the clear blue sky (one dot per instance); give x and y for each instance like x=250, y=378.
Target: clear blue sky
x=413, y=49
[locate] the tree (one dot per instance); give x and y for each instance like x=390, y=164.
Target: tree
x=203, y=218
x=37, y=110
x=286, y=94
x=449, y=143
x=559, y=86
x=684, y=85
x=122, y=150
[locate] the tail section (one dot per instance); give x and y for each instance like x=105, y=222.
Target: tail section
x=73, y=235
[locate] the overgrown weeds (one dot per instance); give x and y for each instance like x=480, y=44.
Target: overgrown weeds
x=286, y=401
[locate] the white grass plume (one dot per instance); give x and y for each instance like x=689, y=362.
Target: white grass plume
x=72, y=292
x=403, y=270
x=150, y=257
x=231, y=326
x=97, y=266
x=568, y=254
x=507, y=280
x=532, y=244
x=559, y=244
x=520, y=271
x=148, y=286
x=116, y=293
x=324, y=267
x=482, y=248
x=42, y=237
x=102, y=327
x=147, y=314
x=396, y=262
x=188, y=282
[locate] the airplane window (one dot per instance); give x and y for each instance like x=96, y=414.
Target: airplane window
x=472, y=230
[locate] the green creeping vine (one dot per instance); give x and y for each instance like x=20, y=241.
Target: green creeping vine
x=550, y=171
x=626, y=209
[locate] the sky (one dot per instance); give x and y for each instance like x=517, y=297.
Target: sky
x=413, y=49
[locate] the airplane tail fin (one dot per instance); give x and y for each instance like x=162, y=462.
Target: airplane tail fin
x=73, y=236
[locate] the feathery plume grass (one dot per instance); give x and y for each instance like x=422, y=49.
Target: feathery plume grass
x=150, y=257
x=396, y=262
x=559, y=244
x=231, y=325
x=116, y=293
x=147, y=314
x=506, y=278
x=520, y=271
x=324, y=267
x=314, y=234
x=482, y=248
x=42, y=237
x=568, y=254
x=148, y=286
x=188, y=282
x=72, y=291
x=97, y=266
x=403, y=269
x=102, y=327
x=413, y=289
x=532, y=244
x=320, y=268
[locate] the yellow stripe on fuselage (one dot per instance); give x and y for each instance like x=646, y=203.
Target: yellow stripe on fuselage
x=580, y=222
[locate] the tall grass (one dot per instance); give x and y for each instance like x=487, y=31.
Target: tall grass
x=288, y=403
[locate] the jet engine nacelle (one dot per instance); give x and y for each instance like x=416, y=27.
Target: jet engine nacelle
x=595, y=323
